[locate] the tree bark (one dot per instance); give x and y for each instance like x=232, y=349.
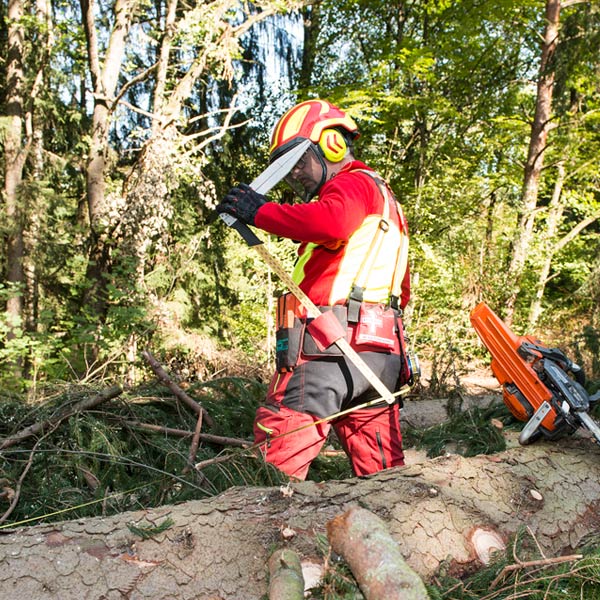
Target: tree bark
x=218, y=548
x=535, y=157
x=14, y=160
x=363, y=540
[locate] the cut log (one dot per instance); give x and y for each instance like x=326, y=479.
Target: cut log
x=285, y=576
x=362, y=539
x=218, y=548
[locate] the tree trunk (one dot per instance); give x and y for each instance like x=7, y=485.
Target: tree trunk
x=535, y=157
x=311, y=17
x=219, y=548
x=104, y=83
x=14, y=159
x=33, y=229
x=555, y=210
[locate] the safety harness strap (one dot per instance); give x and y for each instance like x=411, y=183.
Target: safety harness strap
x=358, y=286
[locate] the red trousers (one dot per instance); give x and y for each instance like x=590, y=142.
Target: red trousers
x=370, y=437
x=321, y=387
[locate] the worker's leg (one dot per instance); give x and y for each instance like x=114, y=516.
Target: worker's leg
x=371, y=437
x=293, y=452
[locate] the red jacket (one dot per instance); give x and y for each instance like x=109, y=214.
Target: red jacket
x=335, y=232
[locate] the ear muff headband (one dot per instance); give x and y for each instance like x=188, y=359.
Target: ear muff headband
x=333, y=145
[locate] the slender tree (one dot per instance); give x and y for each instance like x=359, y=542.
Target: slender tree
x=311, y=19
x=104, y=77
x=540, y=128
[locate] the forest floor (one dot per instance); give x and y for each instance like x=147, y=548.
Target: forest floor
x=424, y=408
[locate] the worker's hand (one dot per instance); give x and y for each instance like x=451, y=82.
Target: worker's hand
x=242, y=202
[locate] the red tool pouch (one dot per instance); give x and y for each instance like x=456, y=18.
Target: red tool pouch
x=376, y=326
x=322, y=332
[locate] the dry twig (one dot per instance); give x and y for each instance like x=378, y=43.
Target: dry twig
x=177, y=391
x=542, y=562
x=194, y=445
x=205, y=437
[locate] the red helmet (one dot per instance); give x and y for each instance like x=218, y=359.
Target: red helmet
x=308, y=120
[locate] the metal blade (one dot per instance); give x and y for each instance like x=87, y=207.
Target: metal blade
x=589, y=424
x=278, y=169
x=266, y=181
x=534, y=423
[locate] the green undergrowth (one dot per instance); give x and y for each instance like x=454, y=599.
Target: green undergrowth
x=470, y=432
x=101, y=461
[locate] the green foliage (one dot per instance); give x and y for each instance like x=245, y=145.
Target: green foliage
x=146, y=532
x=325, y=468
x=103, y=461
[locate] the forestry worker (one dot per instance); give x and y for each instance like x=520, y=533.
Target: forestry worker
x=352, y=262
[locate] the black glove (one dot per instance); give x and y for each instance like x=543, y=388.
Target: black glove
x=242, y=202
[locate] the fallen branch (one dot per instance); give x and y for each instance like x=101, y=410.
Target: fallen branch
x=177, y=391
x=205, y=437
x=63, y=414
x=362, y=539
x=542, y=562
x=194, y=445
x=219, y=459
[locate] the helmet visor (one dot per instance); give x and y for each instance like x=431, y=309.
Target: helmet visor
x=308, y=174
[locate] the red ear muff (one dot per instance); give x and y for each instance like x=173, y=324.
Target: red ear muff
x=333, y=145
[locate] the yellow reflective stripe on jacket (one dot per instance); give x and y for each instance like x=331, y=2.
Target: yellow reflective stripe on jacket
x=298, y=273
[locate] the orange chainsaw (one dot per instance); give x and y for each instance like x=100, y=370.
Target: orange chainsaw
x=540, y=385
